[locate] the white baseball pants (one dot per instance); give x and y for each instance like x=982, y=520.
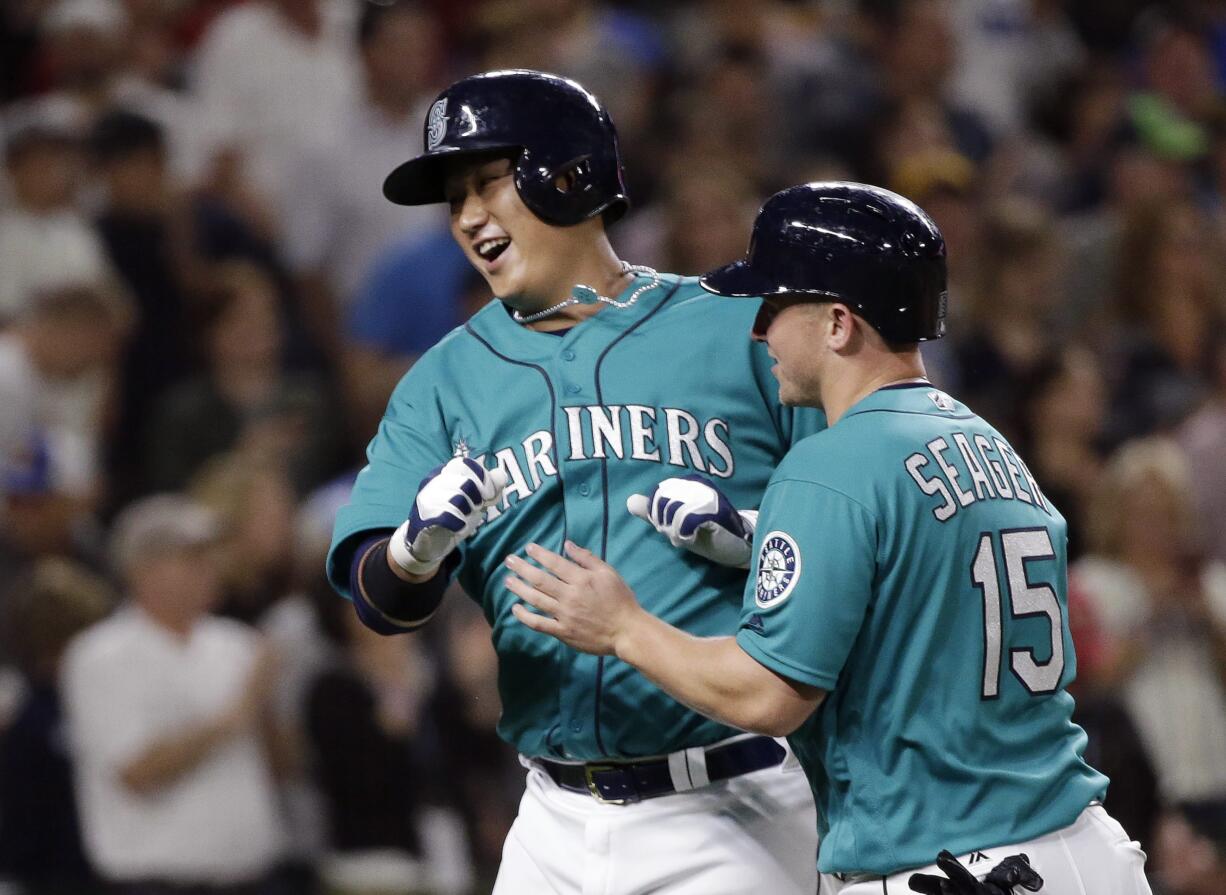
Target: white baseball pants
x=1091, y=856
x=750, y=834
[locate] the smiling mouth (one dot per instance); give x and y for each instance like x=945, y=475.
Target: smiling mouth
x=490, y=249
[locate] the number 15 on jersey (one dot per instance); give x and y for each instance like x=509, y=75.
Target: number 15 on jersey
x=1002, y=557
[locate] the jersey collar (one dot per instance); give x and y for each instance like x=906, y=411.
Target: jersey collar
x=494, y=324
x=908, y=397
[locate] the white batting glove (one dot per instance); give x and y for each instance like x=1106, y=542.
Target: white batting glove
x=450, y=505
x=692, y=513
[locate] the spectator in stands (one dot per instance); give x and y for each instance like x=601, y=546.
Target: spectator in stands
x=1191, y=855
x=1162, y=608
x=44, y=241
x=272, y=77
x=253, y=497
x=474, y=773
x=40, y=843
x=1006, y=331
x=337, y=221
x=146, y=227
x=1172, y=305
x=370, y=703
x=56, y=376
x=246, y=397
x=1203, y=439
x=416, y=292
x=1060, y=420
x=166, y=708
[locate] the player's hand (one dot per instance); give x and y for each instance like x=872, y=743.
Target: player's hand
x=582, y=600
x=450, y=505
x=692, y=513
x=1014, y=870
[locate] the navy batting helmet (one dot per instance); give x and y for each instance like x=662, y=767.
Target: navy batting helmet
x=551, y=126
x=866, y=247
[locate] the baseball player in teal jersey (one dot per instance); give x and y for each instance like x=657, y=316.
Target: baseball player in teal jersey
x=904, y=620
x=536, y=421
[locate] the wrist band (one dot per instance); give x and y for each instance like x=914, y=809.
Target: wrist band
x=385, y=603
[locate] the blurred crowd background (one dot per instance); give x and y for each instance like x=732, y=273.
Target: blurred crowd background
x=205, y=302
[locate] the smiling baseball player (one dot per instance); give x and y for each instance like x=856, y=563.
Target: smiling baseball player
x=904, y=620
x=588, y=381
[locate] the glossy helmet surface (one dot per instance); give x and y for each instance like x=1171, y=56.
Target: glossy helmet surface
x=864, y=246
x=550, y=125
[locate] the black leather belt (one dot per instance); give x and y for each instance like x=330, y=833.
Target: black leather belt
x=624, y=782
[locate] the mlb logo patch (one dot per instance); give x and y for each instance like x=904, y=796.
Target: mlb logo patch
x=778, y=569
x=941, y=400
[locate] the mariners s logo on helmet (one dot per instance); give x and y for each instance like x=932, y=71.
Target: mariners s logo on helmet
x=778, y=569
x=436, y=124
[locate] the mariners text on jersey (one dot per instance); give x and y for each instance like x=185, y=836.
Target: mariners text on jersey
x=667, y=435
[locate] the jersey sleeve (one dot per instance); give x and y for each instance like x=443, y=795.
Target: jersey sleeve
x=810, y=582
x=411, y=442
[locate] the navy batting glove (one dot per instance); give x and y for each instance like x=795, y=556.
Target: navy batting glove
x=692, y=513
x=1014, y=870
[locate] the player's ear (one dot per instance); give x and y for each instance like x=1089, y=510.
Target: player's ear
x=840, y=326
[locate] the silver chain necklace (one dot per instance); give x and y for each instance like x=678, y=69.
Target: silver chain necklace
x=631, y=299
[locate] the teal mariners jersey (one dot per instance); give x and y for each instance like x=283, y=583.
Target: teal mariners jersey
x=907, y=562
x=670, y=386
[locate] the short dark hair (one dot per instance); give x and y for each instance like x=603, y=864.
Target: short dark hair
x=121, y=133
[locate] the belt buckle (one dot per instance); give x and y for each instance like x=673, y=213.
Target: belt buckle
x=588, y=771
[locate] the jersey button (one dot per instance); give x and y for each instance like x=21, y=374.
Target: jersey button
x=568, y=355
x=576, y=726
x=585, y=489
x=572, y=389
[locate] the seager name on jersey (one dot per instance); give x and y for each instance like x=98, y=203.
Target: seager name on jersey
x=990, y=470
x=665, y=435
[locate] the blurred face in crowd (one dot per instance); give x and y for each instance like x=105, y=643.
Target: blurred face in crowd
x=525, y=261
x=177, y=585
x=86, y=57
x=248, y=332
x=1074, y=403
x=45, y=175
x=709, y=217
x=920, y=50
x=400, y=55
x=71, y=343
x=1180, y=67
x=1153, y=515
x=136, y=182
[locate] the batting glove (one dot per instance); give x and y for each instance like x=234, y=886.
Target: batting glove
x=692, y=513
x=450, y=505
x=1014, y=870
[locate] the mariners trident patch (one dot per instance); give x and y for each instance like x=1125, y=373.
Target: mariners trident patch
x=778, y=569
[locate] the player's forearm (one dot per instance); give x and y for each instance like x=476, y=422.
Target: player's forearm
x=713, y=676
x=385, y=598
x=165, y=761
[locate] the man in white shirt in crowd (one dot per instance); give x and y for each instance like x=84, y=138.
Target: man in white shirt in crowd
x=272, y=77
x=165, y=706
x=333, y=226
